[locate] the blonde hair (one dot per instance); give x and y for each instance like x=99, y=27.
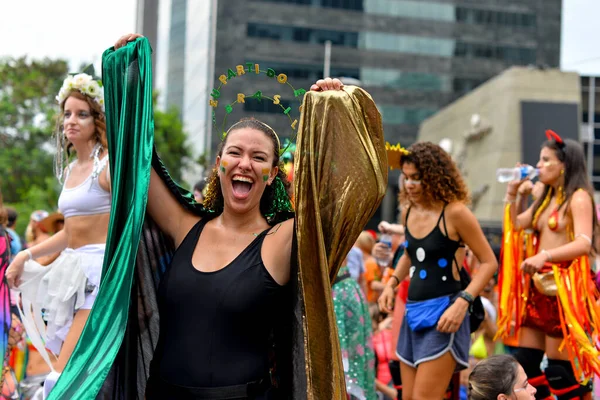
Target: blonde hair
x=365, y=242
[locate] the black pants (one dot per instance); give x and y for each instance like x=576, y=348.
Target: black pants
x=158, y=389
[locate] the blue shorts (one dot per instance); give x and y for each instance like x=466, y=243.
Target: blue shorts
x=429, y=344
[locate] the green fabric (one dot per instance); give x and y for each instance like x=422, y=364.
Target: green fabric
x=130, y=159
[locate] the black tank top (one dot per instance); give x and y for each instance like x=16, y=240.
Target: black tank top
x=431, y=260
x=215, y=327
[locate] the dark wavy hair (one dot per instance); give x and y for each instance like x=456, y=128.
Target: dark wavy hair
x=440, y=178
x=493, y=376
x=576, y=177
x=214, y=197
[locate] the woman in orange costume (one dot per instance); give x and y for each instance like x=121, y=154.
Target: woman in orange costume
x=546, y=276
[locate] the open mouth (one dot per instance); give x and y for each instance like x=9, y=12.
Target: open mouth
x=242, y=185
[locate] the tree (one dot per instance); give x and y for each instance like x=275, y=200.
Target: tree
x=27, y=120
x=170, y=140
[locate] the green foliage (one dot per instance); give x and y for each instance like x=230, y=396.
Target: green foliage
x=27, y=112
x=170, y=141
x=36, y=198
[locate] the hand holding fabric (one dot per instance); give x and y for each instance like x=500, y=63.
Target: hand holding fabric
x=327, y=84
x=534, y=264
x=15, y=270
x=123, y=40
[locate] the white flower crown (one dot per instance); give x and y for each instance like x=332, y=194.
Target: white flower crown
x=85, y=84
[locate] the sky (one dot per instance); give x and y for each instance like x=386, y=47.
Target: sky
x=80, y=30
x=76, y=30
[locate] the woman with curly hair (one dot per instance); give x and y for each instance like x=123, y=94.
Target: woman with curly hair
x=435, y=334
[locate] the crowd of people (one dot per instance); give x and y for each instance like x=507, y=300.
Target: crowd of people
x=256, y=286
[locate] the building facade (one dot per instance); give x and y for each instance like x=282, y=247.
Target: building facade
x=413, y=56
x=146, y=21
x=590, y=127
x=181, y=35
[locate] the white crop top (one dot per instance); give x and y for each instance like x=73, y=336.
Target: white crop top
x=87, y=198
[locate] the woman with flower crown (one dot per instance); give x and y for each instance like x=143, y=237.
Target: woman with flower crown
x=546, y=280
x=66, y=289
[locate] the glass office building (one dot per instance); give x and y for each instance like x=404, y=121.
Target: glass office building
x=413, y=56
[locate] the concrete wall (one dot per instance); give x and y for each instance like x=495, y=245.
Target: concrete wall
x=498, y=102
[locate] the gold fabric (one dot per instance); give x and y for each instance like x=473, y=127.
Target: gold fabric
x=343, y=179
x=545, y=283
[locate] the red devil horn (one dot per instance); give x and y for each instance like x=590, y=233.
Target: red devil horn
x=551, y=135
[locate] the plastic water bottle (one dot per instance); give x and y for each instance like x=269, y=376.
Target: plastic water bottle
x=387, y=240
x=516, y=174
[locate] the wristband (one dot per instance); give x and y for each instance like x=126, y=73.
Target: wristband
x=467, y=297
x=396, y=278
x=28, y=252
x=548, y=256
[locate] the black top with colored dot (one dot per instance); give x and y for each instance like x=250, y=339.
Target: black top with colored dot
x=431, y=260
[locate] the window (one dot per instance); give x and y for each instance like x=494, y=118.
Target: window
x=265, y=31
x=395, y=115
x=343, y=4
x=411, y=9
x=265, y=106
x=309, y=72
x=511, y=55
x=464, y=85
x=498, y=18
x=305, y=2
x=405, y=80
x=407, y=44
x=303, y=35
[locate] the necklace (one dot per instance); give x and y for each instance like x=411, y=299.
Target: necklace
x=553, y=218
x=270, y=233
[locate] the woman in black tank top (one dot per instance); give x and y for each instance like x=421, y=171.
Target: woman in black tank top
x=225, y=298
x=225, y=291
x=434, y=339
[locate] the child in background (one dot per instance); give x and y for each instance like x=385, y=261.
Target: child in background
x=382, y=343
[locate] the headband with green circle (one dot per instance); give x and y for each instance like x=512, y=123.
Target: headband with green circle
x=245, y=70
